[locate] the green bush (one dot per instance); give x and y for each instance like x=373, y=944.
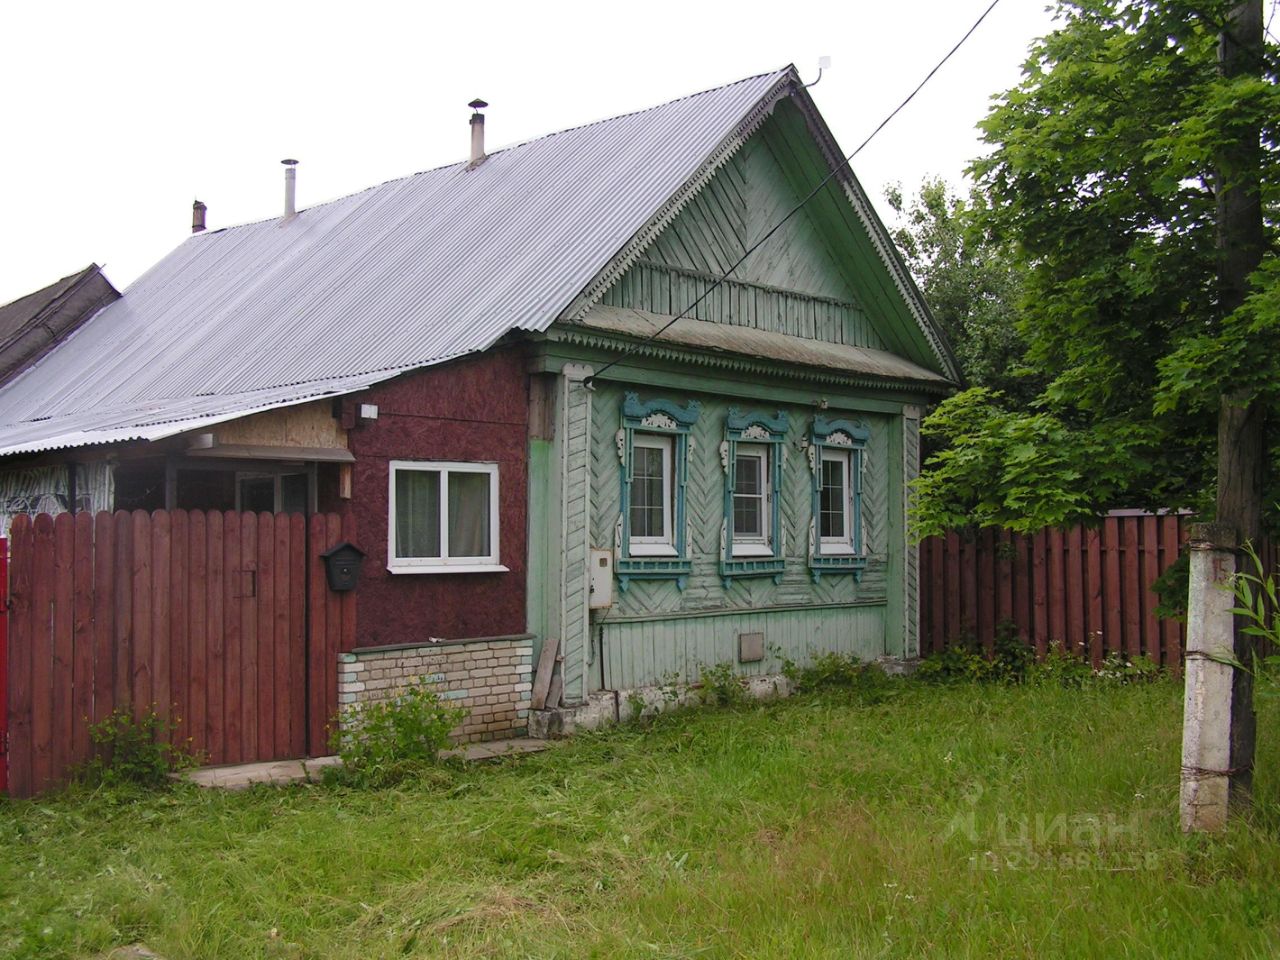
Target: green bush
x=138, y=752
x=721, y=686
x=964, y=661
x=387, y=741
x=867, y=682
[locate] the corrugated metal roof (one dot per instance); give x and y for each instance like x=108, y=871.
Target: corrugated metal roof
x=409, y=273
x=764, y=344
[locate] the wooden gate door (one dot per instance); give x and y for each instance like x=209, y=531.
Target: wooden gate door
x=221, y=624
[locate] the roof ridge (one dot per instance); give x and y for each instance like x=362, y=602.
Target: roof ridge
x=504, y=149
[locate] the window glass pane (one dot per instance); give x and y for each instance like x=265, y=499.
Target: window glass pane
x=417, y=513
x=293, y=493
x=748, y=497
x=647, y=492
x=258, y=494
x=469, y=514
x=833, y=500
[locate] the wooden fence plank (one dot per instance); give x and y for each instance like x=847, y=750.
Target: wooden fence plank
x=247, y=597
x=122, y=609
x=21, y=623
x=1040, y=591
x=141, y=697
x=62, y=676
x=1170, y=543
x=954, y=628
x=317, y=634
x=178, y=639
x=232, y=575
x=1055, y=588
x=197, y=719
x=161, y=548
x=104, y=596
x=1093, y=593
x=1132, y=599
x=348, y=599
x=265, y=600
x=1074, y=635
x=1112, y=589
x=1150, y=571
x=42, y=643
x=216, y=713
x=333, y=624
x=987, y=588
x=1004, y=577
x=938, y=594
x=82, y=643
x=1023, y=589
x=298, y=633
x=280, y=645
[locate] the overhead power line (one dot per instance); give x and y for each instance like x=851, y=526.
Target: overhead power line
x=799, y=206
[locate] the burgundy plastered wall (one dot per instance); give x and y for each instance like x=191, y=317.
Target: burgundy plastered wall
x=476, y=410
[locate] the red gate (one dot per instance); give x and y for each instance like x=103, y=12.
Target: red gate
x=220, y=623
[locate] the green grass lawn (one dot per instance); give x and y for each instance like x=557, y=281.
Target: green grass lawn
x=978, y=821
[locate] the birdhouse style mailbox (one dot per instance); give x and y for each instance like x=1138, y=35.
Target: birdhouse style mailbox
x=342, y=566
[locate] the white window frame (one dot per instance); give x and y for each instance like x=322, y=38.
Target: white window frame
x=665, y=545
x=755, y=546
x=443, y=563
x=841, y=545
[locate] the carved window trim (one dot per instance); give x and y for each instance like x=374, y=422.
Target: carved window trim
x=849, y=439
x=658, y=418
x=768, y=433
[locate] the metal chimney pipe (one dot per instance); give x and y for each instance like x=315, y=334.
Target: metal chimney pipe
x=290, y=187
x=477, y=134
x=197, y=216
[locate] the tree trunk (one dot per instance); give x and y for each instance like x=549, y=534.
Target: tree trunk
x=1242, y=447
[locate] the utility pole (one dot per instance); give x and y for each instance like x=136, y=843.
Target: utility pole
x=1214, y=731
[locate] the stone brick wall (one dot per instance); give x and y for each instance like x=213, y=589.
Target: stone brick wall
x=489, y=678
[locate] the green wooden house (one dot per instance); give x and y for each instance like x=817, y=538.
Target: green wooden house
x=731, y=487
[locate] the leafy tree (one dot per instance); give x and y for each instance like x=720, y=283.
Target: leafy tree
x=1103, y=182
x=971, y=284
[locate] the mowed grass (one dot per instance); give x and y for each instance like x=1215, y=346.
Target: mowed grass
x=974, y=821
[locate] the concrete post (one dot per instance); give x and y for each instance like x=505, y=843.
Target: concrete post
x=1206, y=729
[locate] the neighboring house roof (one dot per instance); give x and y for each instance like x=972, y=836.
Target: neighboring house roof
x=406, y=274
x=30, y=326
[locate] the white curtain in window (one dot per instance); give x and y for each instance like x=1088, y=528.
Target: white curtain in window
x=469, y=514
x=417, y=513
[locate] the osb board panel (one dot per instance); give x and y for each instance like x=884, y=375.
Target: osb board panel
x=306, y=425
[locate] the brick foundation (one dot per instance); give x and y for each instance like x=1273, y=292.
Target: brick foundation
x=489, y=678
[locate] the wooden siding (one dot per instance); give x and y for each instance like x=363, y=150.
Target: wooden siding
x=705, y=590
x=790, y=285
x=306, y=425
x=648, y=652
x=576, y=512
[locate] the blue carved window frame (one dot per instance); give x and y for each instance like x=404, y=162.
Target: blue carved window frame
x=758, y=429
x=663, y=418
x=846, y=436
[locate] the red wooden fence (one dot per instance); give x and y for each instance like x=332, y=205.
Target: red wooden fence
x=220, y=622
x=1088, y=588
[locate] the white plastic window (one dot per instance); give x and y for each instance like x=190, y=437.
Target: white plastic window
x=650, y=496
x=443, y=517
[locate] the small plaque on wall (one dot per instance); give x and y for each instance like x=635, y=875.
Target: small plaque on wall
x=750, y=647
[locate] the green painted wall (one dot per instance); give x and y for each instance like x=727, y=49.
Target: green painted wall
x=647, y=652
x=680, y=612
x=791, y=284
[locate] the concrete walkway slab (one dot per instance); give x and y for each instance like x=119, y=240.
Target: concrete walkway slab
x=241, y=776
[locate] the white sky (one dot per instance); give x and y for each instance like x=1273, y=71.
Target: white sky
x=115, y=116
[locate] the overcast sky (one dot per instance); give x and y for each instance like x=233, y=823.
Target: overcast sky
x=115, y=116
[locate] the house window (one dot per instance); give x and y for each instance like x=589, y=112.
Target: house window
x=752, y=496
x=443, y=517
x=835, y=503
x=837, y=454
x=752, y=455
x=651, y=501
x=650, y=536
